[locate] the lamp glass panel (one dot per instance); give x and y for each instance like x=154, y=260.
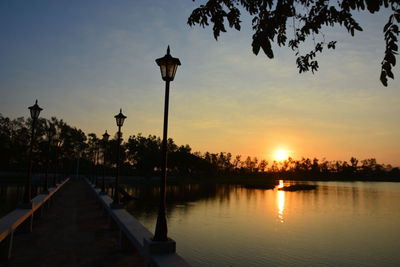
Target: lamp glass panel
x=32, y=113
x=175, y=67
x=163, y=69
x=35, y=113
x=170, y=70
x=120, y=121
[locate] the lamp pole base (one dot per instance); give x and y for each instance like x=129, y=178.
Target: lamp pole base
x=160, y=247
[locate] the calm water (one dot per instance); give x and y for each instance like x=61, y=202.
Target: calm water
x=12, y=192
x=339, y=224
x=11, y=195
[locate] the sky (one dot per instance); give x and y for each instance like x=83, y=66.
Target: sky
x=84, y=60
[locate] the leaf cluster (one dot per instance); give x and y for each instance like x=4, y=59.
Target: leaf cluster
x=294, y=23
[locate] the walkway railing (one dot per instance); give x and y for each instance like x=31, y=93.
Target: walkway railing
x=133, y=233
x=23, y=217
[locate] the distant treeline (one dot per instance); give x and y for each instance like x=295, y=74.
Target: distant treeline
x=61, y=148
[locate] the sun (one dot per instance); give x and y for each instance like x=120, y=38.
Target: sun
x=281, y=155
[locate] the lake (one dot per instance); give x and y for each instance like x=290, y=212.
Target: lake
x=338, y=224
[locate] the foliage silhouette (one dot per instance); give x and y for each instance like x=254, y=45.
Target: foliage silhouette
x=293, y=23
x=141, y=156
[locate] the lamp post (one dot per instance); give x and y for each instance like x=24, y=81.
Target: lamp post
x=96, y=160
x=58, y=143
x=78, y=158
x=168, y=66
x=105, y=140
x=120, y=121
x=35, y=111
x=50, y=133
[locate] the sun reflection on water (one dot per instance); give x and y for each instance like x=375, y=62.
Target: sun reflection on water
x=280, y=200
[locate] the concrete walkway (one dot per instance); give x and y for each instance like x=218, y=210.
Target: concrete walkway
x=73, y=232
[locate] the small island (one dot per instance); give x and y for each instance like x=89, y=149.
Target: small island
x=298, y=187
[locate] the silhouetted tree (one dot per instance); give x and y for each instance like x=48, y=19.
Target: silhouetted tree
x=142, y=155
x=248, y=164
x=263, y=165
x=237, y=164
x=294, y=23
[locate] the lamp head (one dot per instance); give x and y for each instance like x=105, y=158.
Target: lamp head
x=105, y=136
x=168, y=66
x=120, y=118
x=35, y=110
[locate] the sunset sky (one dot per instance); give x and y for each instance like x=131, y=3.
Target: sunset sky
x=84, y=60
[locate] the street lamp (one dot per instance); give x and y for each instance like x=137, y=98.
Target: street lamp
x=120, y=118
x=50, y=134
x=35, y=111
x=105, y=140
x=168, y=66
x=96, y=160
x=57, y=143
x=78, y=158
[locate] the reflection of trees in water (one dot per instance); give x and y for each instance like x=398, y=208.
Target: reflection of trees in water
x=10, y=195
x=12, y=190
x=178, y=196
x=183, y=197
